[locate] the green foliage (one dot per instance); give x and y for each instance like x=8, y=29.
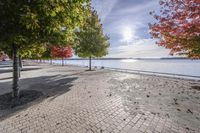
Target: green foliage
x=47, y=54
x=91, y=42
x=34, y=23
x=34, y=52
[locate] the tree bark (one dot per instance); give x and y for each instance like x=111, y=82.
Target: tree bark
x=90, y=63
x=20, y=62
x=15, y=92
x=51, y=61
x=20, y=65
x=62, y=61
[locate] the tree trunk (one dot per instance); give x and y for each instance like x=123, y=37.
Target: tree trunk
x=20, y=65
x=90, y=63
x=20, y=62
x=62, y=61
x=19, y=72
x=15, y=92
x=51, y=61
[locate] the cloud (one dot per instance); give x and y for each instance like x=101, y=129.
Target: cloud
x=104, y=7
x=138, y=8
x=126, y=23
x=134, y=15
x=139, y=48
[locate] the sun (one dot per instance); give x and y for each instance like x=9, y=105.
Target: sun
x=127, y=34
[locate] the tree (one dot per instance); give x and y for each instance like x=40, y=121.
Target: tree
x=29, y=24
x=91, y=42
x=178, y=26
x=47, y=54
x=62, y=52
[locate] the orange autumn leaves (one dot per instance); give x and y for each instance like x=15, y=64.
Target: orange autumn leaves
x=178, y=26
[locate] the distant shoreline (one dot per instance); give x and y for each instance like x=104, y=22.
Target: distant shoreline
x=162, y=58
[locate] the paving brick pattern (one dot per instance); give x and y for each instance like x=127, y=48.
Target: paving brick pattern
x=90, y=106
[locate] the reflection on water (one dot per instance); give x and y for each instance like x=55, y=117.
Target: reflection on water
x=129, y=60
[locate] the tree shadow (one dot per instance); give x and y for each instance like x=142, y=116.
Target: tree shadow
x=26, y=96
x=195, y=88
x=4, y=66
x=6, y=78
x=33, y=91
x=23, y=69
x=90, y=70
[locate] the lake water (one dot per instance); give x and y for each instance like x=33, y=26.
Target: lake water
x=180, y=67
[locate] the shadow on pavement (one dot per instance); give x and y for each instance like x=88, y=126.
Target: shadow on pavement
x=33, y=91
x=6, y=78
x=23, y=69
x=196, y=88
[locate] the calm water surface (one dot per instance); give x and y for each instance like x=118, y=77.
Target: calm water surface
x=171, y=66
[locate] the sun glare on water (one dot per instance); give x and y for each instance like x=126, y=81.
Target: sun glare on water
x=129, y=60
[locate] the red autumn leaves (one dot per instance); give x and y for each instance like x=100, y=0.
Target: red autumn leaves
x=61, y=52
x=178, y=26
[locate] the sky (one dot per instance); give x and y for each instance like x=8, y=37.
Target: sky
x=126, y=23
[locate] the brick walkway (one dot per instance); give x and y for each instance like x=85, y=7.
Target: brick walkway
x=94, y=102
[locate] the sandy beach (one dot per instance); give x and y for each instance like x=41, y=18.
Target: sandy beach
x=75, y=100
